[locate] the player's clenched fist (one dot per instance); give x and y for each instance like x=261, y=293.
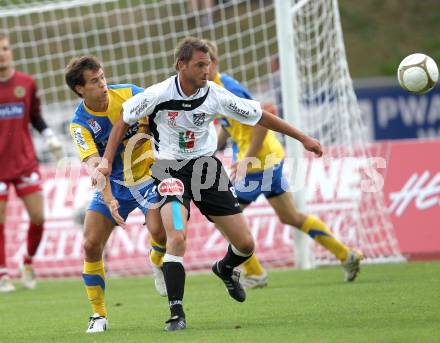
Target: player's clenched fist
x=313, y=145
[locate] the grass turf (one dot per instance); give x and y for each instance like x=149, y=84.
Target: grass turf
x=388, y=303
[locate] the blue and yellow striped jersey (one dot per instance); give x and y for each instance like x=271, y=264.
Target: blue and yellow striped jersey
x=271, y=152
x=90, y=132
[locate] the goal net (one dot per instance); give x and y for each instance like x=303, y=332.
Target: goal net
x=135, y=40
x=337, y=187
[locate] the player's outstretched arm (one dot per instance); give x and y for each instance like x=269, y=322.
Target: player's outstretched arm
x=105, y=167
x=274, y=123
x=118, y=131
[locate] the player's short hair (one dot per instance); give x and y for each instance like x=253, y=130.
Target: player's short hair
x=213, y=50
x=186, y=47
x=74, y=73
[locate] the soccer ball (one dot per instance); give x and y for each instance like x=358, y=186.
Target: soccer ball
x=417, y=73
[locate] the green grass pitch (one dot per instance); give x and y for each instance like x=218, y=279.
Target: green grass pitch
x=388, y=303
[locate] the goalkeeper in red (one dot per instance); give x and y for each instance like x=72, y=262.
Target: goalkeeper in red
x=19, y=107
x=260, y=143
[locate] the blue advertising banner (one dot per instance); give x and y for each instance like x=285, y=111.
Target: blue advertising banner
x=393, y=113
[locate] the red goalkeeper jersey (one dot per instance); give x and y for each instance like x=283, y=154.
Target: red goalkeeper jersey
x=19, y=104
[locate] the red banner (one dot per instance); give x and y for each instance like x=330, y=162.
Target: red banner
x=337, y=190
x=412, y=188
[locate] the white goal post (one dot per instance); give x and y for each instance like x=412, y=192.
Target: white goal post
x=321, y=101
x=135, y=39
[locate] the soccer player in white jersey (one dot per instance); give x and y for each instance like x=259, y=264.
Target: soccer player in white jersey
x=181, y=111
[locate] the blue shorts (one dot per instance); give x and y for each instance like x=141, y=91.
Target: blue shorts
x=129, y=198
x=269, y=182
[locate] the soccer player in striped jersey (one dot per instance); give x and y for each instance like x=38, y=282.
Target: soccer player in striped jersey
x=128, y=187
x=261, y=143
x=181, y=112
x=19, y=107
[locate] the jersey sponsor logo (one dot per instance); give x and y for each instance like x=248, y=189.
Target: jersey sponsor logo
x=187, y=140
x=186, y=105
x=421, y=190
x=172, y=117
x=138, y=109
x=11, y=110
x=234, y=108
x=19, y=91
x=199, y=118
x=94, y=125
x=171, y=186
x=79, y=138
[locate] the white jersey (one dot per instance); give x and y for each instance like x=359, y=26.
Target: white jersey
x=182, y=126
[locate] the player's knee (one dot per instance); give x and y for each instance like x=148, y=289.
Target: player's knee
x=177, y=242
x=245, y=246
x=293, y=218
x=159, y=237
x=285, y=220
x=92, y=249
x=37, y=219
x=158, y=233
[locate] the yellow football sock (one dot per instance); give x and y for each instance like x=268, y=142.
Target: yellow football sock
x=252, y=266
x=94, y=281
x=157, y=252
x=316, y=229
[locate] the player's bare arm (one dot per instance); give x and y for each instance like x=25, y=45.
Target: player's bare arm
x=274, y=123
x=222, y=136
x=115, y=138
x=112, y=203
x=103, y=185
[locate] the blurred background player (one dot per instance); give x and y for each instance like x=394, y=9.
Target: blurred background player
x=257, y=141
x=19, y=107
x=130, y=184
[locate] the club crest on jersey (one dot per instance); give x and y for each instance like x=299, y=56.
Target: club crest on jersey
x=172, y=117
x=94, y=125
x=171, y=186
x=19, y=91
x=199, y=119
